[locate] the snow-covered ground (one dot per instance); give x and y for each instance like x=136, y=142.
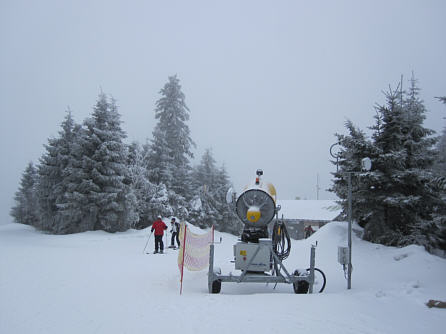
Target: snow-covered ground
x=97, y=282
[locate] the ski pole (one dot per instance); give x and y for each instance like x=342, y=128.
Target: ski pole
x=147, y=242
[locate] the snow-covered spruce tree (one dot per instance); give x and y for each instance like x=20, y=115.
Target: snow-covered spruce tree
x=399, y=198
x=140, y=183
x=229, y=222
x=203, y=211
x=159, y=160
x=440, y=163
x=404, y=161
x=75, y=212
x=440, y=185
x=25, y=209
x=418, y=141
x=158, y=204
x=383, y=225
x=51, y=188
x=170, y=149
x=104, y=164
x=354, y=147
x=148, y=195
x=209, y=203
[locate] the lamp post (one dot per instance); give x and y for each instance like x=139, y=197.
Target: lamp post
x=366, y=165
x=349, y=217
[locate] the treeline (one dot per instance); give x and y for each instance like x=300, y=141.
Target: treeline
x=402, y=200
x=89, y=179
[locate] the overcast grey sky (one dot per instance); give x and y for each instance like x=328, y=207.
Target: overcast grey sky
x=268, y=83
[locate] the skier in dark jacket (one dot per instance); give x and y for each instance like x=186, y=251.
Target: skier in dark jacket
x=158, y=226
x=175, y=230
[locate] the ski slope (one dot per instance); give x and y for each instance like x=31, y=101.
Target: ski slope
x=96, y=282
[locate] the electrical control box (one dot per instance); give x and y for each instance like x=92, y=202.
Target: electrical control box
x=244, y=252
x=343, y=255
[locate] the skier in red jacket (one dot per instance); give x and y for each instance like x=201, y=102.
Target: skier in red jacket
x=158, y=226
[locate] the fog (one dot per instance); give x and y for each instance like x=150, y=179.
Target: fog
x=268, y=83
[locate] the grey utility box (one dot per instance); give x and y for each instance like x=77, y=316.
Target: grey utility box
x=343, y=255
x=245, y=252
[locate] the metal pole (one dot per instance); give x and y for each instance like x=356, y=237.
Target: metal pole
x=147, y=242
x=211, y=267
x=312, y=260
x=349, y=273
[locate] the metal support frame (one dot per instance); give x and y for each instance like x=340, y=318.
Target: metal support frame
x=260, y=277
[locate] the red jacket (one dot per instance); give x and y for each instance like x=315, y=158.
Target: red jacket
x=159, y=227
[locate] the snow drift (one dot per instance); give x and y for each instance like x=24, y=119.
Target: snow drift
x=97, y=282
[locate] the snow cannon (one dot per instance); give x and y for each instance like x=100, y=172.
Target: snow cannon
x=256, y=205
x=256, y=208
x=257, y=255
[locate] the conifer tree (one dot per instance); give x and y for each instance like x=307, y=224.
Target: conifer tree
x=25, y=209
x=151, y=199
x=440, y=185
x=77, y=211
x=158, y=204
x=203, y=213
x=440, y=163
x=51, y=188
x=354, y=147
x=209, y=205
x=105, y=166
x=403, y=196
x=396, y=201
x=228, y=221
x=171, y=147
x=419, y=141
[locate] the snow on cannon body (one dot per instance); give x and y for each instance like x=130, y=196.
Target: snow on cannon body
x=257, y=255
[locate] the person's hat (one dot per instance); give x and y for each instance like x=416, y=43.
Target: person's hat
x=159, y=217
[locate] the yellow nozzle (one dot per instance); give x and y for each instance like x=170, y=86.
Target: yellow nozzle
x=253, y=214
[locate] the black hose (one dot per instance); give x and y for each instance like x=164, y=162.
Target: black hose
x=281, y=240
x=323, y=278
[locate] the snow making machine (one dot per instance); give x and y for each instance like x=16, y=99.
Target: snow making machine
x=257, y=255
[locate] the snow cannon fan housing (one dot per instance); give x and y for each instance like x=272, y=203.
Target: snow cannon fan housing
x=256, y=205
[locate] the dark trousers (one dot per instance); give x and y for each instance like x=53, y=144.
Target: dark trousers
x=175, y=237
x=159, y=243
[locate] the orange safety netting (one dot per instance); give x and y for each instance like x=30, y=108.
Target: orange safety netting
x=194, y=250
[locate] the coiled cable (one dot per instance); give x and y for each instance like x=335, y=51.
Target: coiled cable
x=281, y=240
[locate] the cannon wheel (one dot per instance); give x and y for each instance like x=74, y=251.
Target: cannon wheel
x=303, y=286
x=300, y=287
x=216, y=286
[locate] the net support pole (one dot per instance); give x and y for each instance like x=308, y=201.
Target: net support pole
x=182, y=261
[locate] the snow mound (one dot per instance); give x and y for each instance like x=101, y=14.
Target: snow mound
x=97, y=282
